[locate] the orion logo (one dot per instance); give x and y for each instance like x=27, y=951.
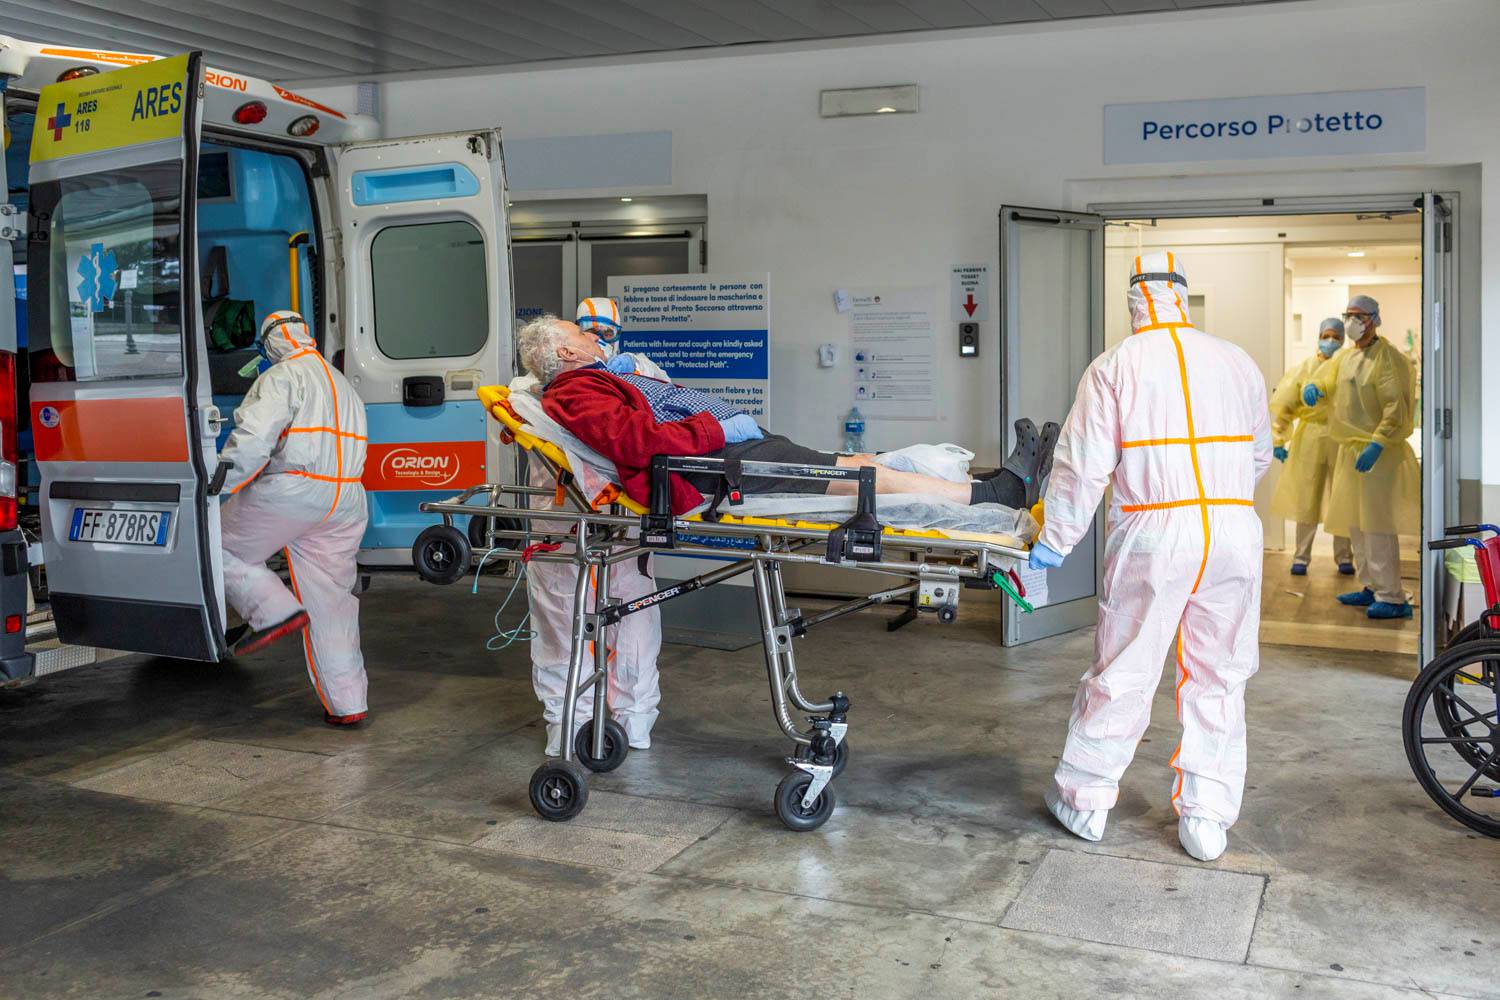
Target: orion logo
x=429, y=470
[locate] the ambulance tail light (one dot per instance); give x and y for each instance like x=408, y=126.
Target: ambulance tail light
x=303, y=127
x=7, y=440
x=76, y=72
x=250, y=113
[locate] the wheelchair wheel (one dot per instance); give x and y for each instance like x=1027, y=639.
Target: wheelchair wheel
x=441, y=554
x=1444, y=707
x=616, y=746
x=1451, y=728
x=789, y=803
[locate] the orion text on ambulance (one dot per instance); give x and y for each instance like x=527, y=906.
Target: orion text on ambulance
x=1349, y=121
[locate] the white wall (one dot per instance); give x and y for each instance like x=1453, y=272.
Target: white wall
x=1009, y=116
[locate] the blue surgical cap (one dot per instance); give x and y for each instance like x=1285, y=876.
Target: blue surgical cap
x=1331, y=323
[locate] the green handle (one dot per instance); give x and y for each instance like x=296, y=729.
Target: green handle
x=1003, y=582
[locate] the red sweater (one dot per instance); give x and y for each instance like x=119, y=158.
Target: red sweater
x=612, y=417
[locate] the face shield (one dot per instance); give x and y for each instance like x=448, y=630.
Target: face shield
x=600, y=316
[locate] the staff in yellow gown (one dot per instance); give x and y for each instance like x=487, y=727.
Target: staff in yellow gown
x=1308, y=452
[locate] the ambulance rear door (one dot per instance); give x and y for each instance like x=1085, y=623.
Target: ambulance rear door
x=123, y=420
x=428, y=319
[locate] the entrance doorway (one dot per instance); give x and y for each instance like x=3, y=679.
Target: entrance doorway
x=1267, y=284
x=1262, y=272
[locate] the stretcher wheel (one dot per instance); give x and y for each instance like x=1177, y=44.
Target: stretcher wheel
x=840, y=756
x=479, y=530
x=616, y=746
x=441, y=553
x=1452, y=734
x=559, y=790
x=789, y=803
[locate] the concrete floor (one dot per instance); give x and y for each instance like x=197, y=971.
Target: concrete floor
x=176, y=830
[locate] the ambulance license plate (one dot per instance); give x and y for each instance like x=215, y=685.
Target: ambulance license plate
x=125, y=527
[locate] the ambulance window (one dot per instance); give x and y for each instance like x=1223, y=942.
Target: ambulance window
x=112, y=276
x=431, y=290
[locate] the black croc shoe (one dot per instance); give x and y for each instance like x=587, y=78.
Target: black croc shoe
x=1025, y=459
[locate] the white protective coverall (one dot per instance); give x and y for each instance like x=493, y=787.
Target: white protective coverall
x=1302, y=489
x=634, y=644
x=298, y=448
x=1176, y=421
x=1373, y=399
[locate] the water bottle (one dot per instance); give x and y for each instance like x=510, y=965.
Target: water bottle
x=854, y=431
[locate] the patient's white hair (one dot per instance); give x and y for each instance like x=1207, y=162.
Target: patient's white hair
x=537, y=343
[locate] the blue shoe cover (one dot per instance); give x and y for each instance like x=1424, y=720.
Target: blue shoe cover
x=1346, y=569
x=1385, y=609
x=1299, y=569
x=1358, y=598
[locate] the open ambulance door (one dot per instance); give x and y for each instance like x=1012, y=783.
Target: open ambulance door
x=123, y=419
x=428, y=305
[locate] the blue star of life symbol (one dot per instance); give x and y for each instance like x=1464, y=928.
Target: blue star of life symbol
x=97, y=269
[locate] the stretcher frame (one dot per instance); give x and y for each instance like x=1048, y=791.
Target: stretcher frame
x=933, y=572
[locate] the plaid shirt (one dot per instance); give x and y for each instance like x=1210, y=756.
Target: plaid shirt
x=670, y=402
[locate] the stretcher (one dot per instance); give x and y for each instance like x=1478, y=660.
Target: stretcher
x=928, y=569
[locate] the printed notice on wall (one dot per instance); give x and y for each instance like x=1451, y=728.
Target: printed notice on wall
x=708, y=331
x=895, y=369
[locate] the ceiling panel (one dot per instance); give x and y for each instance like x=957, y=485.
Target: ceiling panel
x=293, y=39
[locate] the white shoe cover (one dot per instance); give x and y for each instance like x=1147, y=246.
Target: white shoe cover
x=1204, y=839
x=554, y=739
x=1085, y=823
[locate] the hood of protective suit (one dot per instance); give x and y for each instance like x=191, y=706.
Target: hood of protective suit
x=1158, y=292
x=283, y=334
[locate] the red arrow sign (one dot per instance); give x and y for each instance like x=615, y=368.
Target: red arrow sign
x=970, y=305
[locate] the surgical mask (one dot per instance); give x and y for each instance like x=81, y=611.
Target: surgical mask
x=1328, y=345
x=1354, y=328
x=609, y=348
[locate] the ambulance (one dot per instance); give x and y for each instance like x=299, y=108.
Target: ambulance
x=166, y=208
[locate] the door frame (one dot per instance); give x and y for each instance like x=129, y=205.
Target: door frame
x=1080, y=612
x=1443, y=378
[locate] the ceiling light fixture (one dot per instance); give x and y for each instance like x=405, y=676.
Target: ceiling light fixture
x=1356, y=253
x=627, y=200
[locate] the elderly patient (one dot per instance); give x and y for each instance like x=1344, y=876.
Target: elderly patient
x=629, y=418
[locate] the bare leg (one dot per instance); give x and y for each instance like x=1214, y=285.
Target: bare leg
x=894, y=481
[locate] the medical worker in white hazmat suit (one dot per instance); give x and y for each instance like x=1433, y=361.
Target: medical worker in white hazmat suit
x=1175, y=420
x=298, y=448
x=634, y=643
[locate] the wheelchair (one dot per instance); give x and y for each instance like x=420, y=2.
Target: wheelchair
x=1451, y=724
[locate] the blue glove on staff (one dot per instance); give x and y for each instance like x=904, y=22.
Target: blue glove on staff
x=1280, y=453
x=1044, y=556
x=740, y=427
x=1311, y=394
x=621, y=364
x=1367, y=458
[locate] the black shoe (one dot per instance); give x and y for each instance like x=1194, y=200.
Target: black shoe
x=246, y=642
x=1031, y=459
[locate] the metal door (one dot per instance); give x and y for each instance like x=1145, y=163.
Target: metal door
x=428, y=299
x=123, y=420
x=1439, y=323
x=1051, y=327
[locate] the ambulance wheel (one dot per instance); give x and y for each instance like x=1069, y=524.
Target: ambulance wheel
x=479, y=528
x=559, y=790
x=616, y=746
x=840, y=756
x=789, y=803
x=441, y=554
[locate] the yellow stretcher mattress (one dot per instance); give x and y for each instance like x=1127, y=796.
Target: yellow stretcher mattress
x=496, y=400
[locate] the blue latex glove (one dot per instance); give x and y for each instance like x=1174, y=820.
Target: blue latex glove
x=1044, y=556
x=1280, y=453
x=740, y=427
x=1367, y=458
x=1311, y=394
x=621, y=364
